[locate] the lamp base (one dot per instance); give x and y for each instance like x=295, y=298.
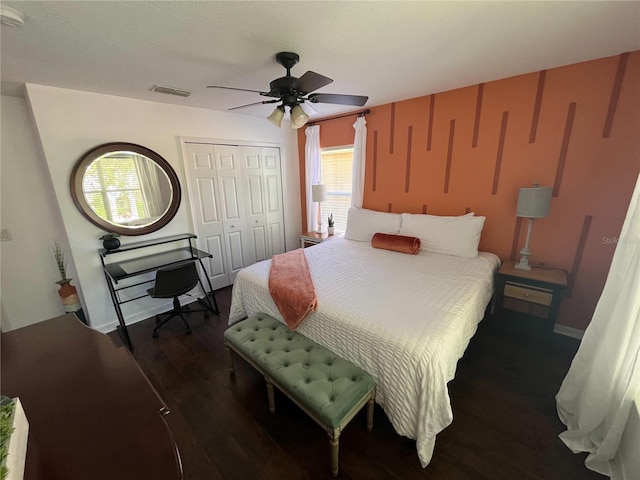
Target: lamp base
x=523, y=264
x=525, y=252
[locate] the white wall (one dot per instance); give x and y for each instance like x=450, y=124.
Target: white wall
x=28, y=270
x=70, y=122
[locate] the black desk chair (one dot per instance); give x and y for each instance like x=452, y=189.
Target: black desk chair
x=171, y=283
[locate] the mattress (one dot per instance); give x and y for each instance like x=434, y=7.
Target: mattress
x=404, y=319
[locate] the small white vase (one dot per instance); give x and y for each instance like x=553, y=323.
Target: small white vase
x=330, y=230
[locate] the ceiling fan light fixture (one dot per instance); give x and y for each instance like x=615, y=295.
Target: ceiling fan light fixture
x=298, y=116
x=276, y=116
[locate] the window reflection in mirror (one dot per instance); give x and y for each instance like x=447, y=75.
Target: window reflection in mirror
x=125, y=188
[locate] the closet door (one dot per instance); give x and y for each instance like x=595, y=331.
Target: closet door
x=272, y=174
x=251, y=177
x=229, y=163
x=236, y=197
x=204, y=197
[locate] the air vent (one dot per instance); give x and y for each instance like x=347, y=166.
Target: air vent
x=170, y=91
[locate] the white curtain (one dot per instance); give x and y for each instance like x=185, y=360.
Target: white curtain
x=598, y=392
x=312, y=166
x=148, y=173
x=359, y=156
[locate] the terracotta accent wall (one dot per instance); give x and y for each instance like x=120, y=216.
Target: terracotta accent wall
x=575, y=128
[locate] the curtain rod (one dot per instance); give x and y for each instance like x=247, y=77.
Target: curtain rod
x=359, y=114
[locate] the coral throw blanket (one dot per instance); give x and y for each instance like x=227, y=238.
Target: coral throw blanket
x=291, y=287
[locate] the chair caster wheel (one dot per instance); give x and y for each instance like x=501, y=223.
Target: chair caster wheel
x=155, y=335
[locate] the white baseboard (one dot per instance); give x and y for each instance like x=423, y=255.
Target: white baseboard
x=568, y=331
x=130, y=320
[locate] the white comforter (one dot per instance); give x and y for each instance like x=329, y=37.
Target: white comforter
x=405, y=319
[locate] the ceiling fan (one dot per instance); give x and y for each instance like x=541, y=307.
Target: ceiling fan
x=291, y=92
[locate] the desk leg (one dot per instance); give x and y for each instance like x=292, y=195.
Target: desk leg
x=213, y=307
x=122, y=327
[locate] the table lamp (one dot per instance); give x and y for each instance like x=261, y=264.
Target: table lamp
x=319, y=195
x=532, y=203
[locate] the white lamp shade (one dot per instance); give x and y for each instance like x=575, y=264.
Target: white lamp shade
x=319, y=193
x=298, y=117
x=277, y=116
x=534, y=202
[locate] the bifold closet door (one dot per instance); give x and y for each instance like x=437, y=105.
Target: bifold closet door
x=240, y=180
x=205, y=207
x=244, y=186
x=274, y=210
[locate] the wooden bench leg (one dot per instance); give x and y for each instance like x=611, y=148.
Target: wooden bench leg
x=230, y=356
x=272, y=403
x=370, y=407
x=335, y=447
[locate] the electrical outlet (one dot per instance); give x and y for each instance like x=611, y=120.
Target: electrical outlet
x=5, y=235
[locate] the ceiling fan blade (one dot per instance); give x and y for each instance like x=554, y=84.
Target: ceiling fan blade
x=310, y=81
x=355, y=100
x=239, y=89
x=308, y=108
x=255, y=103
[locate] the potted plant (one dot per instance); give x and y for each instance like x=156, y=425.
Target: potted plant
x=67, y=292
x=14, y=432
x=58, y=254
x=110, y=241
x=330, y=221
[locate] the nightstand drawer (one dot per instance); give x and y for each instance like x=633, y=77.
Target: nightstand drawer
x=528, y=294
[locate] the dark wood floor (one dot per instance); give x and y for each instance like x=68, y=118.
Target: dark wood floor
x=503, y=397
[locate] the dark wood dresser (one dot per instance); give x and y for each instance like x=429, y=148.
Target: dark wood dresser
x=92, y=412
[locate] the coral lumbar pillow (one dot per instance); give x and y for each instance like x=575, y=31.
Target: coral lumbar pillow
x=396, y=243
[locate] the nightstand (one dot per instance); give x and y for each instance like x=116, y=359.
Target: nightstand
x=536, y=292
x=313, y=238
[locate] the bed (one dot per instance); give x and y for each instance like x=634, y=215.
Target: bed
x=405, y=319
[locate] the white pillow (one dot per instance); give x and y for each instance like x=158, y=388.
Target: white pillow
x=457, y=236
x=362, y=224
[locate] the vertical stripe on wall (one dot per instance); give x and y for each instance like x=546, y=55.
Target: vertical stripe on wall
x=447, y=174
x=536, y=108
x=615, y=94
x=577, y=259
x=408, y=169
x=564, y=148
x=496, y=171
x=391, y=126
x=476, y=125
x=424, y=208
x=375, y=159
x=432, y=102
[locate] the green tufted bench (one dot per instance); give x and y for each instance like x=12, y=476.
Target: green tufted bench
x=329, y=389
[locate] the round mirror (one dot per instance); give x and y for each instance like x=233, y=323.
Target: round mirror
x=125, y=188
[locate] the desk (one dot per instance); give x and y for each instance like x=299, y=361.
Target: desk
x=92, y=412
x=118, y=270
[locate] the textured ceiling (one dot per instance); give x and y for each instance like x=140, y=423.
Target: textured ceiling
x=389, y=51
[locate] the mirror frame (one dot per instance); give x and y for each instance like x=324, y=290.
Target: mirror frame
x=81, y=166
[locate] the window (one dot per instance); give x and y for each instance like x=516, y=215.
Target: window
x=336, y=175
